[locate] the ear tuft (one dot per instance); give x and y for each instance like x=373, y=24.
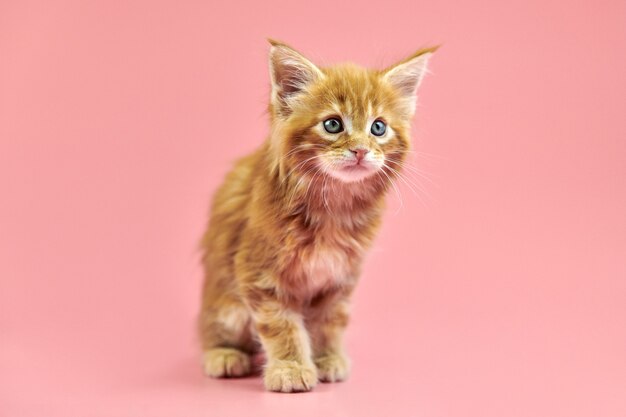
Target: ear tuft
x=407, y=75
x=290, y=72
x=275, y=42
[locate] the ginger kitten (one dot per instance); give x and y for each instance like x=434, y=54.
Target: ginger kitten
x=291, y=223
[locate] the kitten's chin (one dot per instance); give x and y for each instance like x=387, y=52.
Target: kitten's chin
x=352, y=173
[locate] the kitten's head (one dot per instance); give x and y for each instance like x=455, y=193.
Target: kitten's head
x=345, y=122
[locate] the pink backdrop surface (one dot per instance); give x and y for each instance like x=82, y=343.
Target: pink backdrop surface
x=498, y=291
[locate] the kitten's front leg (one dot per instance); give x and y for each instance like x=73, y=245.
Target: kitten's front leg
x=290, y=367
x=328, y=321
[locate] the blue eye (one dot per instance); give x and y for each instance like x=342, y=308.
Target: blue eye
x=378, y=128
x=333, y=125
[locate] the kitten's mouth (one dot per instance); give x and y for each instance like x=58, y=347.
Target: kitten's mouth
x=354, y=171
x=357, y=166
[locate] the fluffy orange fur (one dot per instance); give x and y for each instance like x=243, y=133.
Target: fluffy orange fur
x=291, y=223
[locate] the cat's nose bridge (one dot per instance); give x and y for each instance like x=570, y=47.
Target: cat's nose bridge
x=359, y=142
x=360, y=125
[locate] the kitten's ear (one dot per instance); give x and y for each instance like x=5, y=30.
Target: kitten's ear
x=291, y=73
x=407, y=75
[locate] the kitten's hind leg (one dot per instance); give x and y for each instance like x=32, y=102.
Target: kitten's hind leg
x=227, y=342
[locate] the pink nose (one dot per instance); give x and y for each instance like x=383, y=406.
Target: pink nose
x=359, y=153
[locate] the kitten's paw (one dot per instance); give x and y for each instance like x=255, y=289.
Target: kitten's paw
x=226, y=362
x=333, y=367
x=289, y=376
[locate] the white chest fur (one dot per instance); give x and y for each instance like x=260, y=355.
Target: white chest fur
x=329, y=259
x=325, y=267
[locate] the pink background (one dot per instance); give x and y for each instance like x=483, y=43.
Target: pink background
x=503, y=294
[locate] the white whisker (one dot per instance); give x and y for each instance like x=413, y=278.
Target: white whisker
x=396, y=190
